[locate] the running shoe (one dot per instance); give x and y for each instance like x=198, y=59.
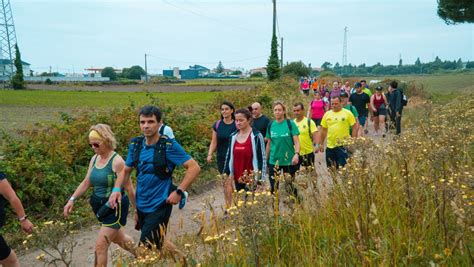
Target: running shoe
x=366, y=131
x=183, y=201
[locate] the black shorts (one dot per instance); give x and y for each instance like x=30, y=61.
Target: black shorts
x=317, y=121
x=113, y=220
x=306, y=160
x=5, y=250
x=241, y=186
x=292, y=169
x=153, y=225
x=381, y=111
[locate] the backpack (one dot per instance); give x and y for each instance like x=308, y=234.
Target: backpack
x=159, y=155
x=290, y=127
x=404, y=98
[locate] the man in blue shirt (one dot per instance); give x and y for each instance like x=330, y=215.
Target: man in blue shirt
x=156, y=194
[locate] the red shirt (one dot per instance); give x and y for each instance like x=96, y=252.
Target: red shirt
x=243, y=156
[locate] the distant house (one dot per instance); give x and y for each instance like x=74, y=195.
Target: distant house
x=193, y=72
x=5, y=65
x=262, y=70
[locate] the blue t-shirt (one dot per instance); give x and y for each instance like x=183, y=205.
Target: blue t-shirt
x=152, y=191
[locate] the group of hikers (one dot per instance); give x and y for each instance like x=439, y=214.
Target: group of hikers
x=249, y=148
x=383, y=108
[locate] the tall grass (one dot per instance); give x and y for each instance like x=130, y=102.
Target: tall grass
x=407, y=201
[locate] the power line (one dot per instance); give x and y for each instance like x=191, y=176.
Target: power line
x=210, y=18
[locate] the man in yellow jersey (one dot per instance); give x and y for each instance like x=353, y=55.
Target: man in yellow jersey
x=309, y=141
x=336, y=125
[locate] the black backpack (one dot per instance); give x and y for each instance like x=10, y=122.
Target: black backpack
x=159, y=155
x=404, y=98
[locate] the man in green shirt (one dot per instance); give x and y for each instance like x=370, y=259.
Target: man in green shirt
x=351, y=108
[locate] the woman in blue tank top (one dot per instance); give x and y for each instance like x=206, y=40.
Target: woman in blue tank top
x=104, y=167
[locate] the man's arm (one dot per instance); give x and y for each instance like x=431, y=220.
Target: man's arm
x=192, y=172
x=7, y=191
x=398, y=102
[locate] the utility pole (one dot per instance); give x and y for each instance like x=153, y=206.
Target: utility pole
x=7, y=37
x=281, y=53
x=344, y=48
x=146, y=70
x=274, y=16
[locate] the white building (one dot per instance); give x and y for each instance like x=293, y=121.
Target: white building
x=5, y=65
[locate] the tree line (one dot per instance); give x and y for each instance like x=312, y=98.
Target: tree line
x=298, y=68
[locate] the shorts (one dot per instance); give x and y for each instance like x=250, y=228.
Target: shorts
x=5, y=250
x=114, y=220
x=153, y=225
x=317, y=121
x=336, y=156
x=362, y=120
x=241, y=186
x=306, y=92
x=306, y=160
x=381, y=111
x=285, y=169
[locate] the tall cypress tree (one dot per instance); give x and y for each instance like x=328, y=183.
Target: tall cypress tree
x=273, y=66
x=17, y=80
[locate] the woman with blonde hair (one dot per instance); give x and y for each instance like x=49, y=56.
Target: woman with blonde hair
x=283, y=147
x=104, y=167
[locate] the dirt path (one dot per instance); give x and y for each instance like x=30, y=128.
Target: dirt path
x=84, y=252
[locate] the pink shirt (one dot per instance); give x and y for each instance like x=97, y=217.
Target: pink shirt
x=317, y=109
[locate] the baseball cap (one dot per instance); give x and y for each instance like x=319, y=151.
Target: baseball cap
x=379, y=88
x=357, y=85
x=344, y=94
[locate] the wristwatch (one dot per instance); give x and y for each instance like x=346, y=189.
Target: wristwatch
x=179, y=192
x=23, y=218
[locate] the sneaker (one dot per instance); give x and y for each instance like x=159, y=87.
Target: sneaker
x=366, y=131
x=183, y=201
x=383, y=135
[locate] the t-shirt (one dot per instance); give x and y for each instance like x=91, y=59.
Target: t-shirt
x=306, y=143
x=261, y=124
x=2, y=203
x=352, y=109
x=317, y=109
x=243, y=156
x=367, y=91
x=360, y=101
x=223, y=137
x=338, y=125
x=282, y=148
x=152, y=191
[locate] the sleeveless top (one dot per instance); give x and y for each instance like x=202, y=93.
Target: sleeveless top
x=379, y=102
x=103, y=179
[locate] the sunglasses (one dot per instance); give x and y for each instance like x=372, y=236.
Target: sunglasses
x=95, y=145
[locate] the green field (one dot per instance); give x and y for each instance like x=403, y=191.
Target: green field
x=441, y=87
x=21, y=109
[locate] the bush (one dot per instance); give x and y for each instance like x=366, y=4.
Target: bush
x=48, y=81
x=256, y=75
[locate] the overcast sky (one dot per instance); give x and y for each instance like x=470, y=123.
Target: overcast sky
x=71, y=35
